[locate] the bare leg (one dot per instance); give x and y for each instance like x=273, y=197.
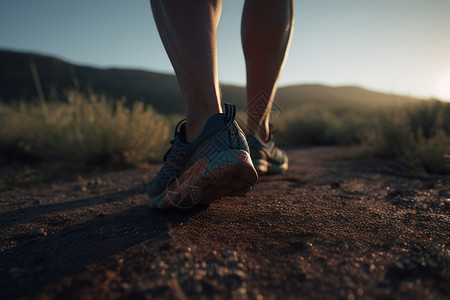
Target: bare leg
x=188, y=30
x=266, y=35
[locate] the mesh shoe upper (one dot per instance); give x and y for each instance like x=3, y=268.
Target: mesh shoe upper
x=267, y=157
x=220, y=132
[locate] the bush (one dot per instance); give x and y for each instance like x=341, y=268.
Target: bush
x=317, y=126
x=417, y=135
x=86, y=130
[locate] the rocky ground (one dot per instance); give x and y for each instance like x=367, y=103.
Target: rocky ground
x=326, y=229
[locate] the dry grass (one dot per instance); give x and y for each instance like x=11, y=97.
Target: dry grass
x=83, y=131
x=96, y=131
x=417, y=134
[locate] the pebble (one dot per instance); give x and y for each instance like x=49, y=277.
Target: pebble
x=40, y=231
x=125, y=285
x=240, y=273
x=231, y=256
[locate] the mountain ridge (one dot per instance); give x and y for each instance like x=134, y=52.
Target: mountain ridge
x=157, y=89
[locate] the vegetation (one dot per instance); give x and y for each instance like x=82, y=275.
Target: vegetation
x=417, y=134
x=83, y=131
x=92, y=130
x=79, y=128
x=313, y=125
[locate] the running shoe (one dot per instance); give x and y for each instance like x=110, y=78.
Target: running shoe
x=216, y=164
x=267, y=157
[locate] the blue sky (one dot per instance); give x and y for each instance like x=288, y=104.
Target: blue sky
x=398, y=46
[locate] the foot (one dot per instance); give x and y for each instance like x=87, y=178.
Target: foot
x=216, y=164
x=267, y=157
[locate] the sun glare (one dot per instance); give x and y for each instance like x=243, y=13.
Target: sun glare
x=443, y=86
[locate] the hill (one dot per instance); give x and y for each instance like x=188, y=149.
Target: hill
x=159, y=90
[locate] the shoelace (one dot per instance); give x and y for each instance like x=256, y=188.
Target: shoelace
x=177, y=129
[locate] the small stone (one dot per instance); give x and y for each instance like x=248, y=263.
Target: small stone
x=125, y=286
x=199, y=275
x=240, y=273
x=40, y=231
x=231, y=256
x=222, y=271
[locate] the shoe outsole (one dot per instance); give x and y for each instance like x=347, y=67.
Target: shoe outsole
x=227, y=173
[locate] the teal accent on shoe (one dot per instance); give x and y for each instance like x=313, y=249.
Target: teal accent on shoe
x=267, y=157
x=216, y=164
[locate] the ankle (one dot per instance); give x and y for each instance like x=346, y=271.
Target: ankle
x=195, y=125
x=194, y=128
x=196, y=117
x=264, y=135
x=261, y=132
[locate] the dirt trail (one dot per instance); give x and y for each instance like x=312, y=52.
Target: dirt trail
x=327, y=228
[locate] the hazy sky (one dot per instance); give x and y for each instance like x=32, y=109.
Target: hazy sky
x=399, y=46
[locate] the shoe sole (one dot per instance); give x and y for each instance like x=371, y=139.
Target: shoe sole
x=264, y=167
x=226, y=173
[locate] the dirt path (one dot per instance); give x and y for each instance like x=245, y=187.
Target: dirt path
x=327, y=228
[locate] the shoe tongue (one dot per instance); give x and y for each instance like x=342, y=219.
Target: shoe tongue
x=212, y=124
x=254, y=140
x=181, y=134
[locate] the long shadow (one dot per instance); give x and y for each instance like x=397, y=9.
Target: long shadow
x=12, y=218
x=28, y=268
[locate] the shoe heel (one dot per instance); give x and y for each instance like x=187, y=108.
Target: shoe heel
x=261, y=166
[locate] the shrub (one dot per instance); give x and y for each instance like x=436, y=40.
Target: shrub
x=91, y=130
x=318, y=126
x=417, y=136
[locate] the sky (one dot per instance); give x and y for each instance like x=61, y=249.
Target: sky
x=393, y=46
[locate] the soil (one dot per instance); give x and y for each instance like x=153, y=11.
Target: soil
x=326, y=229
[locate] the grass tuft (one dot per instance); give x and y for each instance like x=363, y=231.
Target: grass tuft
x=417, y=135
x=83, y=131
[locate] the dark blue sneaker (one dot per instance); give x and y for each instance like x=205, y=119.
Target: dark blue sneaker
x=215, y=165
x=267, y=157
